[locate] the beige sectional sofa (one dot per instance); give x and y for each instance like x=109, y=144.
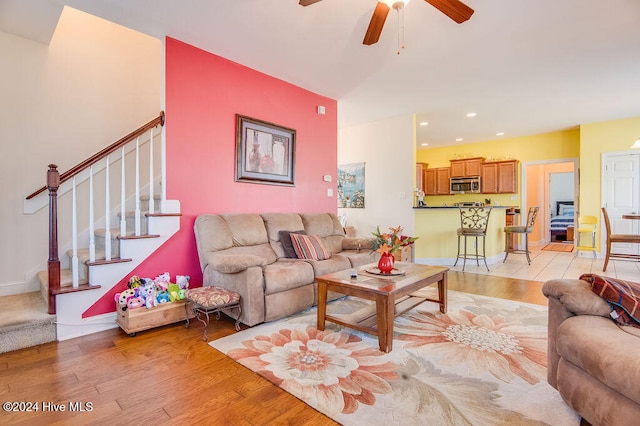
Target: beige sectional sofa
x=592, y=362
x=244, y=252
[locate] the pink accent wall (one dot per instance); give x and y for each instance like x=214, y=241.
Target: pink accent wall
x=204, y=92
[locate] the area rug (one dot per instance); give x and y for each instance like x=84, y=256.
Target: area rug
x=564, y=247
x=482, y=363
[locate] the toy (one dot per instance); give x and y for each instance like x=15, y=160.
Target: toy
x=163, y=297
x=162, y=281
x=122, y=298
x=135, y=302
x=183, y=281
x=148, y=292
x=134, y=282
x=174, y=290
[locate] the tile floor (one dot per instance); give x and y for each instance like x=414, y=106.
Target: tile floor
x=546, y=265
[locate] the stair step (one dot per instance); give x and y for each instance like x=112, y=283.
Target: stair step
x=24, y=322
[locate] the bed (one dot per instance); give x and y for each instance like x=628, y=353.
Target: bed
x=564, y=217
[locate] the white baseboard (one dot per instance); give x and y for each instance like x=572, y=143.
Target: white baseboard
x=18, y=287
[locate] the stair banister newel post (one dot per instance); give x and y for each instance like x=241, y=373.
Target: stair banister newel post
x=53, y=266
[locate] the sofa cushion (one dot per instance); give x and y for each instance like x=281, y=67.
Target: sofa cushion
x=322, y=224
x=212, y=234
x=234, y=263
x=287, y=244
x=600, y=348
x=286, y=274
x=276, y=222
x=623, y=296
x=309, y=247
x=329, y=266
x=246, y=229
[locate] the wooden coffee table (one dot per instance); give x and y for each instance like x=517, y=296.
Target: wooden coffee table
x=392, y=294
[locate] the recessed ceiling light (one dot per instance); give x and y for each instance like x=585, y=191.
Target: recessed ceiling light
x=459, y=140
x=424, y=144
x=500, y=134
x=424, y=123
x=471, y=114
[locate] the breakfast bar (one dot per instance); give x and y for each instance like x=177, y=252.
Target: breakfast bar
x=437, y=243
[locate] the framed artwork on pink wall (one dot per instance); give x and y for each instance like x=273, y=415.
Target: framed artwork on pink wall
x=265, y=152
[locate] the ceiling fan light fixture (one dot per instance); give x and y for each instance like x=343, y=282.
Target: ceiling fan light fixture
x=396, y=4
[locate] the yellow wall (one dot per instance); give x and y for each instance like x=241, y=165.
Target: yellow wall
x=587, y=143
x=546, y=146
x=598, y=138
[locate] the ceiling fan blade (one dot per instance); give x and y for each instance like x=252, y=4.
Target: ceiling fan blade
x=454, y=9
x=308, y=2
x=375, y=25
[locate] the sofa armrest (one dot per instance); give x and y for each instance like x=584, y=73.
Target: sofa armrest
x=233, y=263
x=357, y=244
x=577, y=297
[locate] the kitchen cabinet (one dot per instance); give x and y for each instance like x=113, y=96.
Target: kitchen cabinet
x=499, y=177
x=466, y=167
x=420, y=169
x=437, y=181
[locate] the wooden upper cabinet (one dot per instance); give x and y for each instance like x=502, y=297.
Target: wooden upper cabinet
x=443, y=175
x=436, y=181
x=420, y=169
x=499, y=177
x=466, y=167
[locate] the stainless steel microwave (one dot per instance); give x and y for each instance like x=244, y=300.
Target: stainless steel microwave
x=465, y=185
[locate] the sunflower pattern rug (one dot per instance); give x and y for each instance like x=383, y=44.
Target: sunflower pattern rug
x=481, y=363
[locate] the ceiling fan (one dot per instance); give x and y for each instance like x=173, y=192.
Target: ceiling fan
x=454, y=9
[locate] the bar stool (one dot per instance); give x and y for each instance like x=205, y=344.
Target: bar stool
x=473, y=223
x=520, y=229
x=586, y=225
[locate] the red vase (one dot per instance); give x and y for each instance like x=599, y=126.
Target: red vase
x=385, y=264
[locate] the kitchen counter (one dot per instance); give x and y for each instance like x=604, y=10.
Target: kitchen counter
x=436, y=228
x=455, y=207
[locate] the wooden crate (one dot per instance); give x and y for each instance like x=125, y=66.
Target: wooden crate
x=134, y=320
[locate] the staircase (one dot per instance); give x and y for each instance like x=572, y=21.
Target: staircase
x=73, y=284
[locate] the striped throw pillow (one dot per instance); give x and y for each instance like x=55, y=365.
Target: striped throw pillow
x=309, y=247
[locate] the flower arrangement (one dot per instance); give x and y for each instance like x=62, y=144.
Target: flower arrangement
x=388, y=242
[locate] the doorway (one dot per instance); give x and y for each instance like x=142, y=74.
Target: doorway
x=546, y=184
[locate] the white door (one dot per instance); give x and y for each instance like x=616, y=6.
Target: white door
x=621, y=194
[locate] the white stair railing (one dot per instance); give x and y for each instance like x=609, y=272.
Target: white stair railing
x=83, y=194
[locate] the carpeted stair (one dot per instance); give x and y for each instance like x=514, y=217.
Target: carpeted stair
x=24, y=322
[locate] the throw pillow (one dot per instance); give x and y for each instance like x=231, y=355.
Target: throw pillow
x=309, y=247
x=622, y=296
x=287, y=245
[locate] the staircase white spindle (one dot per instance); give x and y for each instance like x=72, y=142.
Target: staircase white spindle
x=137, y=209
x=107, y=218
x=151, y=208
x=163, y=170
x=92, y=225
x=74, y=236
x=123, y=210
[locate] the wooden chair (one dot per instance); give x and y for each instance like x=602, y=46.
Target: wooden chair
x=473, y=223
x=618, y=238
x=586, y=225
x=520, y=229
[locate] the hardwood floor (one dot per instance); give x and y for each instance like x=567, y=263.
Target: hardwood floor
x=169, y=375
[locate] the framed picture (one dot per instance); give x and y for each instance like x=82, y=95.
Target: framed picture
x=265, y=152
x=351, y=185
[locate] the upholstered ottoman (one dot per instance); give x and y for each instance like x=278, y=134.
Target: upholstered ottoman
x=209, y=300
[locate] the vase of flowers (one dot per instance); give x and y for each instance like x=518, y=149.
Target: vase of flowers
x=387, y=243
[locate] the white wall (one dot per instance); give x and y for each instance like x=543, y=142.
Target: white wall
x=388, y=149
x=94, y=83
